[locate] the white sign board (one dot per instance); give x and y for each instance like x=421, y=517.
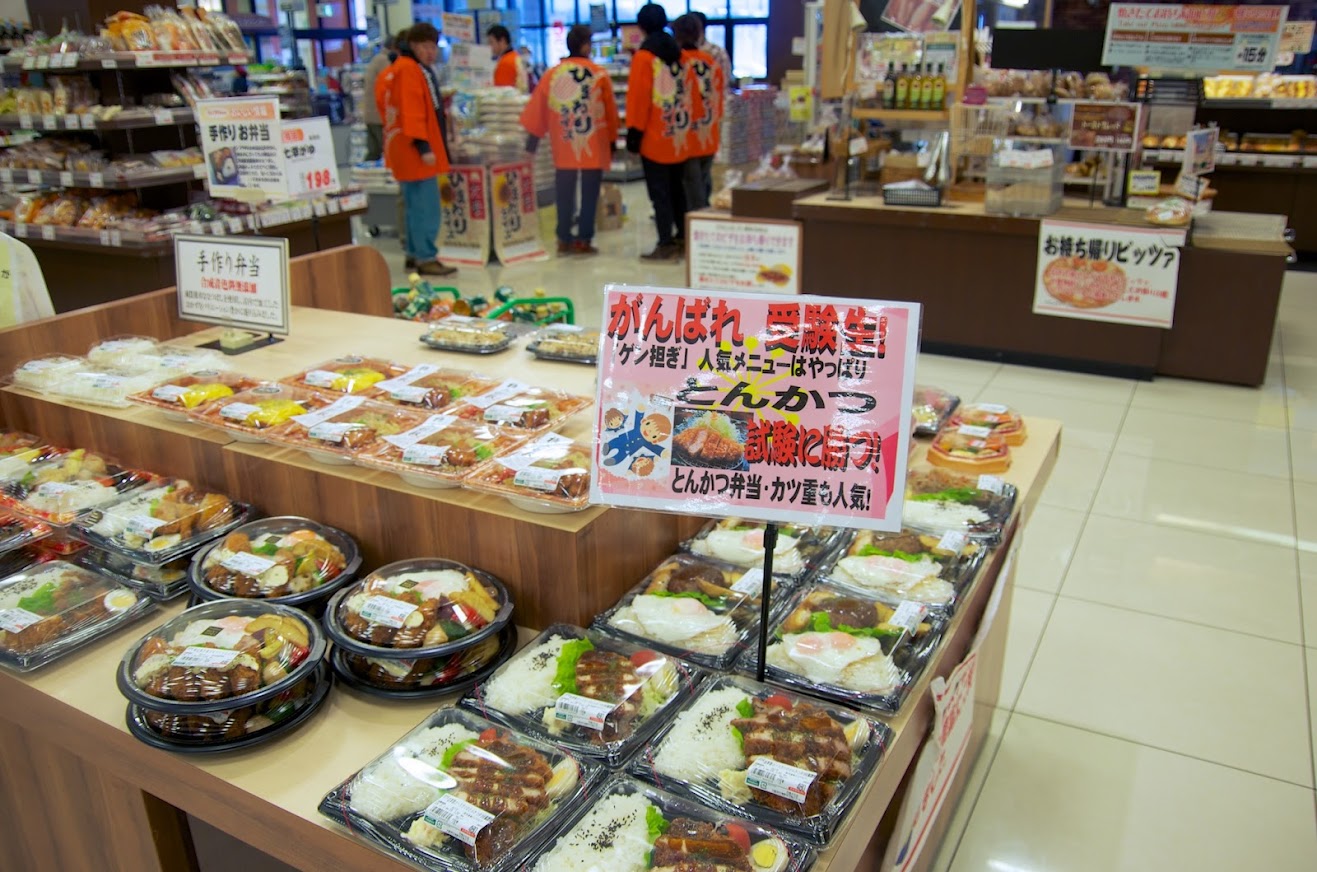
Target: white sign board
x=1105, y=272
x=233, y=281
x=243, y=147
x=472, y=65
x=459, y=28
x=309, y=161
x=1173, y=36
x=733, y=255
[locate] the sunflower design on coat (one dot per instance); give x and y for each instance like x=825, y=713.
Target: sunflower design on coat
x=575, y=102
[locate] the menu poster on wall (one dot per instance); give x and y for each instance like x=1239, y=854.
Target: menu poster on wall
x=516, y=216
x=730, y=255
x=233, y=281
x=1099, y=126
x=309, y=161
x=464, y=233
x=241, y=139
x=1105, y=272
x=1173, y=36
x=779, y=410
x=458, y=27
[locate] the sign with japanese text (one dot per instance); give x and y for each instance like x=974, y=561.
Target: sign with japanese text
x=241, y=139
x=1174, y=36
x=1200, y=151
x=309, y=161
x=1105, y=272
x=459, y=28
x=787, y=410
x=464, y=232
x=516, y=218
x=472, y=65
x=1296, y=37
x=1145, y=183
x=1104, y=126
x=724, y=254
x=233, y=281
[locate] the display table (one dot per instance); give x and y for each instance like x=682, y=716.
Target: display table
x=974, y=273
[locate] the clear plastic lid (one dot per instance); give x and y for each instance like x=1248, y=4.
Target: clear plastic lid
x=17, y=531
x=186, y=392
x=469, y=335
x=598, y=696
x=932, y=407
x=288, y=559
x=18, y=450
x=896, y=567
x=23, y=557
x=740, y=542
x=938, y=501
x=971, y=449
x=858, y=650
x=423, y=677
x=61, y=488
x=421, y=607
x=349, y=374
x=166, y=360
x=41, y=373
x=161, y=583
x=161, y=521
x=567, y=342
x=346, y=427
x=551, y=474
x=748, y=749
x=116, y=349
x=520, y=407
x=221, y=655
x=441, y=451
x=51, y=608
x=635, y=826
x=102, y=385
x=1001, y=420
x=433, y=387
x=461, y=794
x=257, y=411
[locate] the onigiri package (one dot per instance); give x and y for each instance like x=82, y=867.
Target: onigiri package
x=740, y=542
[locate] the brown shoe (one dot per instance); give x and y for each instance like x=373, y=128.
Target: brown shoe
x=566, y=247
x=435, y=268
x=583, y=247
x=665, y=251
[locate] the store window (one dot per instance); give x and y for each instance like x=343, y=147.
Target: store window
x=750, y=51
x=716, y=34
x=559, y=10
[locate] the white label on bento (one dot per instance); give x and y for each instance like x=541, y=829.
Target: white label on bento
x=338, y=407
x=111, y=345
x=55, y=489
x=17, y=620
x=953, y=541
x=239, y=411
x=502, y=414
x=409, y=394
x=538, y=478
x=247, y=564
x=582, y=711
x=564, y=328
x=217, y=635
x=169, y=393
x=991, y=408
x=507, y=390
x=397, y=668
x=205, y=658
x=991, y=483
x=907, y=615
x=975, y=431
x=330, y=432
x=321, y=378
x=751, y=583
x=459, y=819
x=779, y=779
x=144, y=525
x=432, y=425
x=387, y=611
x=414, y=374
x=40, y=365
x=425, y=455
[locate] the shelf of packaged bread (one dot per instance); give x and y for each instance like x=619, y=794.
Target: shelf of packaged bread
x=74, y=709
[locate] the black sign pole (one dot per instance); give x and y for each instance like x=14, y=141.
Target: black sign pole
x=770, y=542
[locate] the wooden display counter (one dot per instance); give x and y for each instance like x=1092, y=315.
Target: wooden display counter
x=974, y=274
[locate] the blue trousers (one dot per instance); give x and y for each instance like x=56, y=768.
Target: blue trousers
x=565, y=183
x=421, y=202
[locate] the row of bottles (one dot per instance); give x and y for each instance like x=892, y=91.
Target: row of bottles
x=14, y=34
x=918, y=89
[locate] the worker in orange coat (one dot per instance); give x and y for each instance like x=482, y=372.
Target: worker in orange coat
x=414, y=145
x=509, y=67
x=575, y=106
x=706, y=84
x=658, y=115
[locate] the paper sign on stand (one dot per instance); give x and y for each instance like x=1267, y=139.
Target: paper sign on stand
x=233, y=281
x=1167, y=36
x=459, y=28
x=243, y=147
x=1104, y=126
x=472, y=65
x=464, y=233
x=725, y=254
x=1200, y=151
x=309, y=160
x=516, y=217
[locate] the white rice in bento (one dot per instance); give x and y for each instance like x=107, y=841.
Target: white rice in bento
x=941, y=515
x=526, y=683
x=386, y=792
x=700, y=744
x=612, y=837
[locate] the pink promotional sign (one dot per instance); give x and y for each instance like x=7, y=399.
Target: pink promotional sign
x=778, y=409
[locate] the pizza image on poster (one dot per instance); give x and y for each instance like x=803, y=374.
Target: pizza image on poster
x=1084, y=283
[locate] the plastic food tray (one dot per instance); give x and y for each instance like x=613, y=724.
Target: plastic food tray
x=469, y=335
x=341, y=430
x=427, y=677
x=938, y=501
x=441, y=451
x=350, y=374
x=250, y=415
x=41, y=373
x=160, y=583
x=739, y=542
x=521, y=408
x=18, y=532
x=432, y=387
x=1002, y=420
x=59, y=489
x=895, y=567
x=568, y=343
x=179, y=395
x=550, y=475
x=932, y=408
x=161, y=522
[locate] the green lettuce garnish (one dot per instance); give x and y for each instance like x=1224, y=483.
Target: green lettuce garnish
x=740, y=739
x=40, y=601
x=655, y=823
x=746, y=708
x=484, y=452
x=564, y=680
x=821, y=622
x=875, y=551
x=713, y=602
x=963, y=495
x=267, y=549
x=451, y=754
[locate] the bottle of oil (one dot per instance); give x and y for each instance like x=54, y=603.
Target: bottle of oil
x=889, y=88
x=939, y=98
x=903, y=88
x=926, y=87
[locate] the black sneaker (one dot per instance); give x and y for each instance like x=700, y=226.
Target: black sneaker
x=409, y=263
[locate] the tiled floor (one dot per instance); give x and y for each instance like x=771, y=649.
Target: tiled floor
x=1161, y=669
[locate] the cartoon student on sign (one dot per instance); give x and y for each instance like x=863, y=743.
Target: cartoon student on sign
x=647, y=433
x=224, y=167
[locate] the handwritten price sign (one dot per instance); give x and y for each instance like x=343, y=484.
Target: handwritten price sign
x=309, y=157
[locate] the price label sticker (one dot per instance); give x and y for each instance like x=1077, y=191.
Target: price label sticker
x=503, y=414
x=66, y=179
x=17, y=620
x=25, y=120
x=333, y=433
x=751, y=583
x=409, y=394
x=908, y=616
x=992, y=484
x=48, y=233
x=432, y=425
x=164, y=116
x=334, y=207
x=88, y=121
x=50, y=122
x=425, y=455
x=387, y=611
x=169, y=393
x=992, y=408
x=96, y=180
x=109, y=64
x=1252, y=50
x=144, y=526
x=199, y=171
x=506, y=391
x=582, y=711
x=239, y=411
x=29, y=63
x=321, y=378
x=953, y=541
x=55, y=489
x=70, y=59
x=248, y=564
x=72, y=122
x=538, y=478
x=34, y=177
x=334, y=409
x=975, y=431
x=20, y=230
x=234, y=224
x=6, y=174
x=43, y=62
x=458, y=818
x=319, y=209
x=779, y=779
x=214, y=634
x=205, y=658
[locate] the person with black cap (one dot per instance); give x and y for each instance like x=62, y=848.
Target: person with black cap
x=658, y=117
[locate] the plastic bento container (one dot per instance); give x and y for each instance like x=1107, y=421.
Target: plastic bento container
x=117, y=349
x=914, y=566
x=429, y=386
x=598, y=696
x=633, y=825
x=339, y=431
x=165, y=360
x=161, y=583
x=41, y=373
x=425, y=677
x=250, y=415
x=440, y=452
x=550, y=475
x=424, y=607
x=287, y=560
x=462, y=794
x=1001, y=420
x=102, y=385
x=468, y=335
x=220, y=656
x=21, y=558
x=18, y=450
x=938, y=501
x=932, y=408
x=349, y=374
x=854, y=649
x=61, y=488
x=522, y=408
x=569, y=343
x=53, y=608
x=18, y=532
x=178, y=395
x=232, y=729
x=739, y=542
x=970, y=449
x=680, y=609
x=755, y=751
x=161, y=521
